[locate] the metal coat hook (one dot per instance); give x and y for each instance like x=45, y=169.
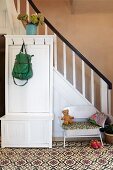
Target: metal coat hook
x=13, y=41
x=44, y=41
x=23, y=40
x=34, y=41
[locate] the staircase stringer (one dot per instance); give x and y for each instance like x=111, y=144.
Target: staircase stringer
x=69, y=84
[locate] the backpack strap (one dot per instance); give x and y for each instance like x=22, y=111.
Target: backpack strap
x=19, y=84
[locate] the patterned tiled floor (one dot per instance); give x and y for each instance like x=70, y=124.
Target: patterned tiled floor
x=76, y=156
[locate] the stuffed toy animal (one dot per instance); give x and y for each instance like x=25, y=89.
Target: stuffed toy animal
x=67, y=118
x=95, y=144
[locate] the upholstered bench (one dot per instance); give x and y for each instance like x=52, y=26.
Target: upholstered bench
x=81, y=127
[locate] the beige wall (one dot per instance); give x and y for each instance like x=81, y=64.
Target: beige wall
x=89, y=28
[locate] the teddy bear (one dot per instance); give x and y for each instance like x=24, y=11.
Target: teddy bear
x=67, y=118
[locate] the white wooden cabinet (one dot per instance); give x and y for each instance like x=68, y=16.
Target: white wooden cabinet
x=27, y=131
x=29, y=109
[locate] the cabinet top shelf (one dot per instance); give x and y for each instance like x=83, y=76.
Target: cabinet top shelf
x=29, y=39
x=29, y=36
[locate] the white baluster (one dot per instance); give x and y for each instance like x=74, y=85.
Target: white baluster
x=27, y=8
x=55, y=51
x=109, y=102
x=74, y=70
x=64, y=57
x=92, y=87
x=18, y=10
x=83, y=78
x=5, y=18
x=46, y=30
x=104, y=96
x=18, y=6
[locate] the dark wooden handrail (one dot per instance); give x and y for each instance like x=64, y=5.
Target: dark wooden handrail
x=71, y=46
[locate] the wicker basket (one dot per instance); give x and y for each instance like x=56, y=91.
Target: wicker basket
x=109, y=138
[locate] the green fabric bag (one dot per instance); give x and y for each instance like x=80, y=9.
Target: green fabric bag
x=22, y=69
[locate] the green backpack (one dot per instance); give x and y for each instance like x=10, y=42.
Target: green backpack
x=22, y=69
